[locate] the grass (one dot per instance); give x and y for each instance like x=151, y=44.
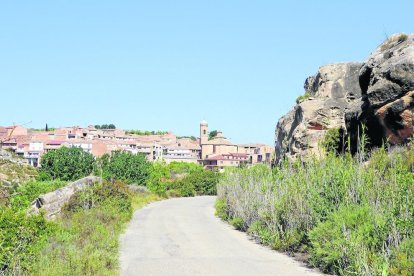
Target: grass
x=351, y=215
x=87, y=242
x=393, y=41
x=84, y=240
x=304, y=97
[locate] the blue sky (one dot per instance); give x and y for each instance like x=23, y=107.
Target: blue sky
x=166, y=65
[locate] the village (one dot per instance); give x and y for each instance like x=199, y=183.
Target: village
x=213, y=153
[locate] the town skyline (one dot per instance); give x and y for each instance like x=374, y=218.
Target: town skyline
x=195, y=133
x=144, y=65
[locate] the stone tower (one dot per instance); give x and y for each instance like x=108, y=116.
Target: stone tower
x=203, y=132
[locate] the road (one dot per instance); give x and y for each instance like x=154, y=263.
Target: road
x=183, y=237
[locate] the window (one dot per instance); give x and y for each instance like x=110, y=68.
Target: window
x=204, y=132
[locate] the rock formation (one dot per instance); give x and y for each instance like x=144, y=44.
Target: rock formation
x=378, y=93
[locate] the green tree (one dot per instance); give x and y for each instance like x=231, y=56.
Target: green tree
x=125, y=166
x=66, y=164
x=212, y=134
x=159, y=179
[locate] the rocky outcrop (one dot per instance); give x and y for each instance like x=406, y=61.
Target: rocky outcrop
x=387, y=84
x=378, y=93
x=331, y=92
x=53, y=202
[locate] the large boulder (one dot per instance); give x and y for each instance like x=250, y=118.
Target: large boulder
x=330, y=94
x=378, y=94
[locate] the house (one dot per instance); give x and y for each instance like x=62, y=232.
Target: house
x=221, y=161
x=181, y=152
x=34, y=153
x=16, y=131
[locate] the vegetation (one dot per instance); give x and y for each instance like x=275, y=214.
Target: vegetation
x=393, y=41
x=105, y=126
x=11, y=176
x=193, y=138
x=22, y=236
x=181, y=179
x=66, y=164
x=304, y=97
x=84, y=238
x=332, y=141
x=124, y=166
x=351, y=215
x=145, y=132
x=212, y=134
x=25, y=194
x=83, y=241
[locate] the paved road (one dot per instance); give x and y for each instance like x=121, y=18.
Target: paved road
x=183, y=237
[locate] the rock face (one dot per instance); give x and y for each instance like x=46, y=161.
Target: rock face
x=387, y=84
x=53, y=202
x=378, y=93
x=332, y=91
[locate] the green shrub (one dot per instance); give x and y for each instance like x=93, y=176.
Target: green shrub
x=221, y=209
x=159, y=178
x=87, y=240
x=402, y=37
x=66, y=164
x=21, y=239
x=184, y=178
x=27, y=193
x=348, y=212
x=402, y=259
x=238, y=223
x=124, y=166
x=183, y=167
x=116, y=195
x=349, y=240
x=184, y=188
x=332, y=140
x=304, y=97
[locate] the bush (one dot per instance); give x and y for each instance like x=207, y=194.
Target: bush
x=353, y=215
x=21, y=239
x=221, y=209
x=87, y=240
x=184, y=178
x=27, y=193
x=238, y=223
x=159, y=178
x=102, y=194
x=66, y=164
x=349, y=238
x=124, y=166
x=332, y=141
x=402, y=259
x=304, y=97
x=202, y=182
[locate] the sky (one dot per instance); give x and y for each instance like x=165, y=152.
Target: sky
x=167, y=65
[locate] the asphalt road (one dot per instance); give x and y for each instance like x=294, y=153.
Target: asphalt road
x=183, y=237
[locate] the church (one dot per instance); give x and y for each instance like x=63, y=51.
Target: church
x=219, y=152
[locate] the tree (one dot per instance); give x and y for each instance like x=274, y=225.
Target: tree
x=105, y=126
x=66, y=164
x=125, y=166
x=212, y=134
x=46, y=128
